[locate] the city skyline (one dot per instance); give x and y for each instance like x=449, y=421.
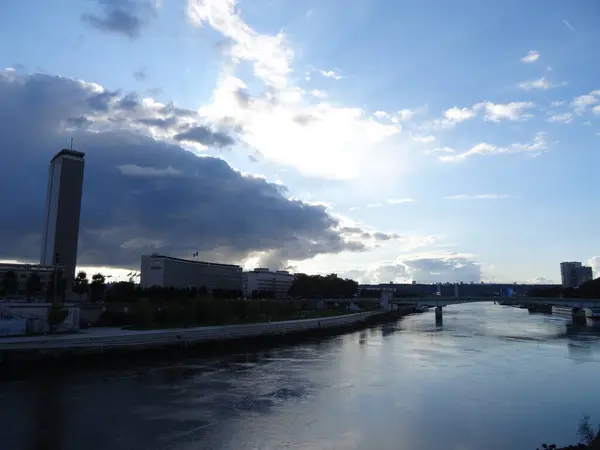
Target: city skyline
x=464, y=155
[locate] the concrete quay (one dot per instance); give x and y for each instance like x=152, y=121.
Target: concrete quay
x=95, y=341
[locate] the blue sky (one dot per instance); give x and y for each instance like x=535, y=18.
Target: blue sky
x=468, y=131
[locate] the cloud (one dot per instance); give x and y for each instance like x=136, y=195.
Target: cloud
x=596, y=110
x=561, y=118
x=541, y=280
x=581, y=103
x=399, y=201
x=270, y=55
x=531, y=56
x=126, y=17
x=535, y=147
x=142, y=192
x=439, y=150
x=404, y=114
x=594, y=263
x=478, y=197
x=331, y=74
x=205, y=136
x=318, y=94
x=557, y=103
x=424, y=139
x=284, y=123
x=425, y=268
x=494, y=112
x=509, y=111
x=456, y=115
x=541, y=83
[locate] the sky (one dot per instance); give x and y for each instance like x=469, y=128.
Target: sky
x=428, y=141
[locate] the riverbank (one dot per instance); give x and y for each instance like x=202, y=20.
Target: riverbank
x=108, y=342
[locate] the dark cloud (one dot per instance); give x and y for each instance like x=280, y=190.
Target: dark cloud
x=130, y=102
x=378, y=235
x=79, y=122
x=102, y=101
x=159, y=122
x=141, y=194
x=205, y=136
x=126, y=17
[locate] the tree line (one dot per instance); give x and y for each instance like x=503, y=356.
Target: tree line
x=304, y=286
x=94, y=288
x=589, y=289
x=319, y=286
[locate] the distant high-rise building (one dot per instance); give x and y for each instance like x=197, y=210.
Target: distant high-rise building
x=63, y=207
x=573, y=274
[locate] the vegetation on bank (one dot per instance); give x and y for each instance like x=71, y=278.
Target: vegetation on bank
x=182, y=309
x=590, y=437
x=169, y=307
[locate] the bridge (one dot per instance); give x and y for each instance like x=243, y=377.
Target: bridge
x=446, y=301
x=577, y=305
x=388, y=302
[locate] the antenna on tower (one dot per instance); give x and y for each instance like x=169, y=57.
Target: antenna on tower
x=71, y=143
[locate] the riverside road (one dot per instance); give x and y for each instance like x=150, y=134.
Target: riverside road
x=490, y=377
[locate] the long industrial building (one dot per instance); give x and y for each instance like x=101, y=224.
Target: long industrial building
x=165, y=271
x=262, y=279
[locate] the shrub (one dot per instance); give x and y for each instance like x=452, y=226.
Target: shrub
x=56, y=315
x=141, y=315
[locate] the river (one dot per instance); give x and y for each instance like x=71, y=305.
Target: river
x=490, y=378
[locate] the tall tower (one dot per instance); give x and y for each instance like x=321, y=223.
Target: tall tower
x=63, y=207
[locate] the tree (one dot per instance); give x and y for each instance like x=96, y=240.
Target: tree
x=80, y=284
x=318, y=286
x=589, y=435
x=98, y=285
x=57, y=289
x=56, y=315
x=34, y=284
x=10, y=283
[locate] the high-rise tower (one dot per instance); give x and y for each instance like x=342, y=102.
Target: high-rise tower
x=63, y=207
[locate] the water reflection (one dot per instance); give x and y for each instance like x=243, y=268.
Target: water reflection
x=47, y=416
x=490, y=377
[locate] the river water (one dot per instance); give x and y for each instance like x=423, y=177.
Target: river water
x=489, y=378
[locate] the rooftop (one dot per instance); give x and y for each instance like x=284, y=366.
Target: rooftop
x=67, y=152
x=155, y=255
